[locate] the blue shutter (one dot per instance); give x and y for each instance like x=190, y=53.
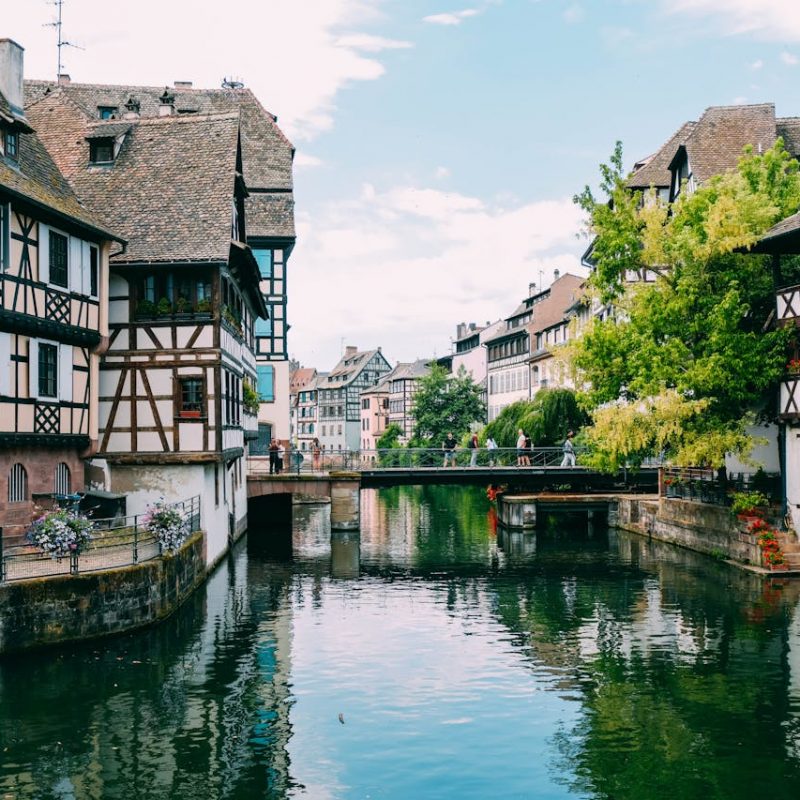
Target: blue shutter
x=266, y=383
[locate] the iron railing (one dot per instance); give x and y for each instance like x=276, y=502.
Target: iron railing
x=703, y=485
x=116, y=542
x=404, y=458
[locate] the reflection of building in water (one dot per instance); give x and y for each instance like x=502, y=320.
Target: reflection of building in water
x=206, y=713
x=345, y=554
x=390, y=523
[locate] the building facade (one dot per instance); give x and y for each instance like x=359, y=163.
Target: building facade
x=53, y=314
x=339, y=397
x=184, y=296
x=302, y=401
x=374, y=413
x=403, y=385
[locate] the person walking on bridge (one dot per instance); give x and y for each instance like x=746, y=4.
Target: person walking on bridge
x=569, y=451
x=449, y=447
x=473, y=446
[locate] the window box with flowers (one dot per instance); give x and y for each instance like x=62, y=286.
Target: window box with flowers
x=793, y=366
x=167, y=525
x=61, y=533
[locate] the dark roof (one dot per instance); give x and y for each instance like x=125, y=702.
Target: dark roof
x=38, y=180
x=267, y=153
x=553, y=309
x=107, y=130
x=270, y=214
x=170, y=189
x=789, y=129
x=654, y=170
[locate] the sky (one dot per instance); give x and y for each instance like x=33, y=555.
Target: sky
x=439, y=142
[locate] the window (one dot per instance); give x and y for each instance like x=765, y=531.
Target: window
x=17, y=484
x=190, y=397
x=4, y=237
x=62, y=479
x=101, y=151
x=48, y=370
x=264, y=261
x=263, y=327
x=266, y=383
x=12, y=145
x=59, y=269
x=93, y=271
x=106, y=112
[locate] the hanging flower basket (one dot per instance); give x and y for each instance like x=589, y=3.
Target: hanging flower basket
x=167, y=525
x=61, y=533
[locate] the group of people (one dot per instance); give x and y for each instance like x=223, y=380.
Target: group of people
x=524, y=447
x=277, y=452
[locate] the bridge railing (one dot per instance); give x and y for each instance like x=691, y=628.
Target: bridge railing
x=299, y=462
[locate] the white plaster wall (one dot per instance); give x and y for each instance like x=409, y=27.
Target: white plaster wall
x=793, y=474
x=766, y=456
x=277, y=412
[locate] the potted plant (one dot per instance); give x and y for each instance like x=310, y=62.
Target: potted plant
x=793, y=367
x=749, y=504
x=250, y=399
x=61, y=533
x=164, y=307
x=146, y=308
x=167, y=525
x=203, y=306
x=182, y=306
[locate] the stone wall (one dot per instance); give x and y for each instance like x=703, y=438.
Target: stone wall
x=48, y=611
x=704, y=528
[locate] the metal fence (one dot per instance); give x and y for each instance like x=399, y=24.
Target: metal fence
x=116, y=542
x=299, y=462
x=705, y=485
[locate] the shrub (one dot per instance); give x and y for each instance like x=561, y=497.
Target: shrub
x=747, y=502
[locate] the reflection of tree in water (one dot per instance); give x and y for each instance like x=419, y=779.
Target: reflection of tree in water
x=194, y=707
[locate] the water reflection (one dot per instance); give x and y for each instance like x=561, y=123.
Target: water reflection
x=465, y=661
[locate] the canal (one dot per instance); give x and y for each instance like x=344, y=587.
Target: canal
x=433, y=657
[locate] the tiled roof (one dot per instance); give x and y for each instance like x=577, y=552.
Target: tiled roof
x=270, y=214
x=301, y=378
x=789, y=129
x=654, y=170
x=170, y=188
x=106, y=130
x=715, y=144
x=789, y=225
x=267, y=154
x=553, y=308
x=39, y=180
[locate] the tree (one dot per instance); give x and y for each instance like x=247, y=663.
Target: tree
x=688, y=359
x=445, y=403
x=546, y=419
x=390, y=437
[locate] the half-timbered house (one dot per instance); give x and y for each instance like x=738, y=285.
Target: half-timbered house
x=53, y=313
x=184, y=296
x=267, y=157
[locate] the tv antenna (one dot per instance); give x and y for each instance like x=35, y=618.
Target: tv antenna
x=57, y=24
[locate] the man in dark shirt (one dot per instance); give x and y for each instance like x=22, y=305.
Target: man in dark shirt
x=449, y=447
x=273, y=457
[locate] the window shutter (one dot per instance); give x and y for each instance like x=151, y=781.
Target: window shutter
x=86, y=261
x=5, y=363
x=65, y=372
x=44, y=253
x=33, y=368
x=75, y=265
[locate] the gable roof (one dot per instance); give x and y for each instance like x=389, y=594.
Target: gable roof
x=169, y=192
x=39, y=181
x=553, y=308
x=654, y=170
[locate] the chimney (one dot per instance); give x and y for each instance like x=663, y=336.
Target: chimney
x=166, y=107
x=350, y=351
x=556, y=275
x=183, y=84
x=11, y=75
x=472, y=326
x=64, y=79
x=531, y=289
x=461, y=329
x=132, y=108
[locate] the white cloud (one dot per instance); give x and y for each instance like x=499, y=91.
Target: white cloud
x=441, y=173
x=757, y=64
x=573, y=14
x=789, y=59
x=296, y=57
x=400, y=267
x=452, y=17
x=302, y=160
x=777, y=20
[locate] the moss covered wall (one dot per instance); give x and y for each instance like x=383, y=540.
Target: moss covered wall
x=60, y=609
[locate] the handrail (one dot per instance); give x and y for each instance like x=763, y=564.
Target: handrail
x=116, y=542
x=300, y=462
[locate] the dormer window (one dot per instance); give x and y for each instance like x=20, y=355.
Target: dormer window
x=10, y=144
x=101, y=151
x=107, y=112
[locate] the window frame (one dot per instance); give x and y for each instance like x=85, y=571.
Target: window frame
x=18, y=484
x=55, y=235
x=182, y=411
x=47, y=347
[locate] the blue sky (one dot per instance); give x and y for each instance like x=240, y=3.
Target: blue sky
x=438, y=143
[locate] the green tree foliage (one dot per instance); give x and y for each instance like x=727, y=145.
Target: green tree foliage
x=443, y=403
x=689, y=357
x=546, y=419
x=390, y=437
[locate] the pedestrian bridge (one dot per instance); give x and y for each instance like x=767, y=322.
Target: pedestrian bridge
x=341, y=476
